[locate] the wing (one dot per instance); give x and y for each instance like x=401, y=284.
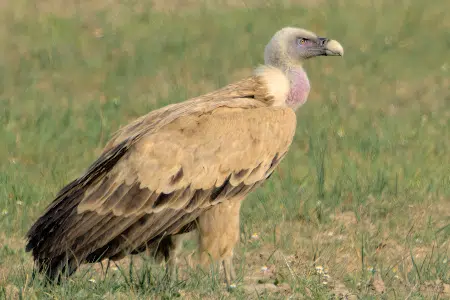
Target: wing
x=156, y=177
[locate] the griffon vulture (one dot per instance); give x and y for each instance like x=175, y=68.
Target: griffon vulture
x=183, y=167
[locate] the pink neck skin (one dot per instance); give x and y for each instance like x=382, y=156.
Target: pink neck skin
x=300, y=87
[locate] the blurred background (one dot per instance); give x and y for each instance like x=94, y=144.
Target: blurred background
x=359, y=208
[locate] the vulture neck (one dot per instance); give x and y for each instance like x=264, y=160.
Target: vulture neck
x=299, y=86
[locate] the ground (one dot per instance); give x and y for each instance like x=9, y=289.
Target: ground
x=360, y=207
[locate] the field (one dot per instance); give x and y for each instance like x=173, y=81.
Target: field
x=360, y=207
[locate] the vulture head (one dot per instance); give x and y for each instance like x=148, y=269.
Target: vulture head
x=290, y=46
x=286, y=51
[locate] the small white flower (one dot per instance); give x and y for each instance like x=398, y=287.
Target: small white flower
x=92, y=280
x=20, y=203
x=232, y=286
x=319, y=269
x=255, y=236
x=4, y=212
x=264, y=268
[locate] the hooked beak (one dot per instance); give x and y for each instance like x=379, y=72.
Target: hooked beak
x=331, y=47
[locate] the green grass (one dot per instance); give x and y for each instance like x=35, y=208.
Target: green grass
x=363, y=192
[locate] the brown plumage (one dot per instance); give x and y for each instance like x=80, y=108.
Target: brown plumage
x=183, y=167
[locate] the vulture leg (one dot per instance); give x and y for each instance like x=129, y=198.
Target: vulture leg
x=172, y=254
x=169, y=249
x=230, y=274
x=218, y=235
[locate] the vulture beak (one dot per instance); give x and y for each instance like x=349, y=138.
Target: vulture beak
x=331, y=47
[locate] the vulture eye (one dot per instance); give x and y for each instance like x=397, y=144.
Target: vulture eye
x=301, y=41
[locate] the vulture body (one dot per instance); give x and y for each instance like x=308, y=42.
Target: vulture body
x=183, y=167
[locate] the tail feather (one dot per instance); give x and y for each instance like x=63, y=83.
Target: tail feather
x=45, y=234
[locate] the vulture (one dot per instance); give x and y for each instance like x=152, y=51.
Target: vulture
x=184, y=167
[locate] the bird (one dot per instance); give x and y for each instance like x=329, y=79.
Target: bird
x=181, y=169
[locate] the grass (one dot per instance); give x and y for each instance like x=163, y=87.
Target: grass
x=360, y=205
